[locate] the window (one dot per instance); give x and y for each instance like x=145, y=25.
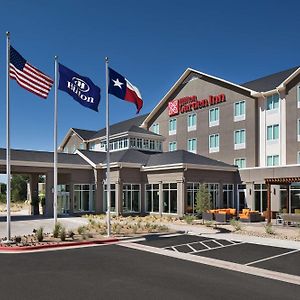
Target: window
x=214, y=117
x=273, y=132
x=298, y=157
x=240, y=162
x=272, y=160
x=172, y=126
x=112, y=197
x=227, y=195
x=172, y=146
x=214, y=141
x=192, y=145
x=192, y=122
x=213, y=189
x=260, y=197
x=131, y=197
x=298, y=96
x=152, y=197
x=170, y=198
x=298, y=130
x=82, y=146
x=240, y=139
x=239, y=111
x=84, y=197
x=155, y=128
x=139, y=143
x=273, y=102
x=192, y=189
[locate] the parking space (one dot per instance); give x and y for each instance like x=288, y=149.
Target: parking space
x=266, y=257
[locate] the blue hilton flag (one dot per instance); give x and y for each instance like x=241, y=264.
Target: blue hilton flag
x=81, y=88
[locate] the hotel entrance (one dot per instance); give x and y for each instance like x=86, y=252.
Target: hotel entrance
x=63, y=199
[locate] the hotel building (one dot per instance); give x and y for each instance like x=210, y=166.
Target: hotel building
x=236, y=138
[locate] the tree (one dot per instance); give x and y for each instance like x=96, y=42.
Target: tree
x=203, y=199
x=19, y=187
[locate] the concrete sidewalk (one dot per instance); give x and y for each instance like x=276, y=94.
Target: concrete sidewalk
x=24, y=225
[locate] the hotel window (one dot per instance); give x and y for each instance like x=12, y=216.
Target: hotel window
x=214, y=143
x=172, y=126
x=298, y=157
x=170, y=198
x=84, y=197
x=213, y=189
x=112, y=197
x=298, y=130
x=260, y=197
x=240, y=162
x=192, y=189
x=240, y=139
x=131, y=197
x=227, y=195
x=298, y=96
x=273, y=102
x=272, y=160
x=192, y=122
x=152, y=197
x=139, y=143
x=239, y=111
x=192, y=145
x=155, y=128
x=273, y=132
x=172, y=146
x=214, y=117
x=132, y=142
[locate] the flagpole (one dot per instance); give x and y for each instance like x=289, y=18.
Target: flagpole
x=8, y=171
x=55, y=140
x=107, y=153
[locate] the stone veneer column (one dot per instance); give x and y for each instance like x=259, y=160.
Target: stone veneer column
x=161, y=207
x=180, y=197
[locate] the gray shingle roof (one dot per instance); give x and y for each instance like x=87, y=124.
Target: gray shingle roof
x=129, y=156
x=122, y=126
x=269, y=82
x=42, y=156
x=185, y=157
x=149, y=159
x=85, y=134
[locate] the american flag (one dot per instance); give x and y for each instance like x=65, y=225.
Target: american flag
x=27, y=76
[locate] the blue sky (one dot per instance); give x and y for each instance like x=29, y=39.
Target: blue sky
x=149, y=42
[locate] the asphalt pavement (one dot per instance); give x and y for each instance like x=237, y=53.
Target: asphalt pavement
x=115, y=272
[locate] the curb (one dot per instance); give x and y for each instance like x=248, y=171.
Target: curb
x=58, y=245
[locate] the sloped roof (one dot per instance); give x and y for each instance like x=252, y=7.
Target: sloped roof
x=42, y=156
x=150, y=159
x=123, y=126
x=185, y=157
x=269, y=82
x=85, y=134
x=128, y=156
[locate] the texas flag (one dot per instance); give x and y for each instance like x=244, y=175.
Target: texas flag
x=120, y=87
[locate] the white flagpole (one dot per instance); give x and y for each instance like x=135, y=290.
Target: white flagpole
x=107, y=152
x=8, y=187
x=55, y=140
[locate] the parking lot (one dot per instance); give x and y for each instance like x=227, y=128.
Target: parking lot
x=277, y=259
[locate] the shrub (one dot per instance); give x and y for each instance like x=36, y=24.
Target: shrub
x=40, y=234
x=236, y=224
x=56, y=230
x=189, y=219
x=269, y=229
x=18, y=239
x=81, y=230
x=163, y=228
x=63, y=234
x=209, y=223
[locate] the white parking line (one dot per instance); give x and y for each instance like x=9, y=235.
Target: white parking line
x=191, y=243
x=221, y=247
x=271, y=257
x=217, y=263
